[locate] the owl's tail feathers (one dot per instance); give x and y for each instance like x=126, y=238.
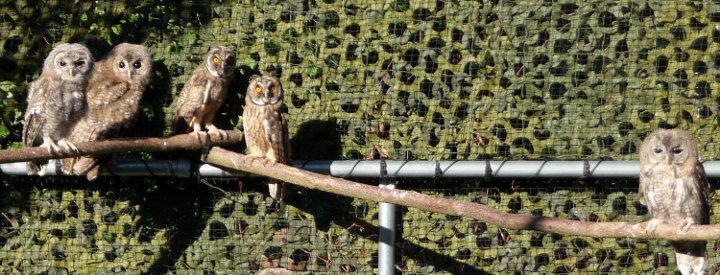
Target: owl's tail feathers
x=276, y=189
x=690, y=256
x=81, y=166
x=67, y=165
x=35, y=168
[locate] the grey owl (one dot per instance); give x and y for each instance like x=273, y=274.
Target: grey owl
x=266, y=132
x=674, y=189
x=55, y=100
x=113, y=98
x=205, y=93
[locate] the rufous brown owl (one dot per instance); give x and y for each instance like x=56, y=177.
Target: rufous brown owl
x=205, y=93
x=55, y=100
x=674, y=189
x=113, y=102
x=266, y=132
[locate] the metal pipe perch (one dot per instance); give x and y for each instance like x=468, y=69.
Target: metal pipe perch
x=395, y=169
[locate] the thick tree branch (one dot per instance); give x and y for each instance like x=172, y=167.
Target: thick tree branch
x=259, y=166
x=151, y=144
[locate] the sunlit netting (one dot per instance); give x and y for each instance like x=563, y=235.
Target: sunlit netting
x=231, y=226
x=430, y=80
x=367, y=79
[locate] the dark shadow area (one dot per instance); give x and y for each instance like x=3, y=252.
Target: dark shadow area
x=151, y=121
x=229, y=116
x=316, y=140
x=182, y=207
x=329, y=209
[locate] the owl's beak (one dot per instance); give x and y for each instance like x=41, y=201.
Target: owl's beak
x=667, y=159
x=129, y=72
x=266, y=93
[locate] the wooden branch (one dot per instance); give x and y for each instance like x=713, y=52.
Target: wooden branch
x=151, y=144
x=260, y=166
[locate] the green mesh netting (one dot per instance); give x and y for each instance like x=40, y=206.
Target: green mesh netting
x=409, y=79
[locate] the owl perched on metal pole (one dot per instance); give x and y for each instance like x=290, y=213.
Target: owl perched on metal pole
x=205, y=93
x=55, y=100
x=113, y=99
x=266, y=132
x=674, y=189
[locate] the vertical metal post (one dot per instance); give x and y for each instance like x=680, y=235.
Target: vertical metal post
x=386, y=253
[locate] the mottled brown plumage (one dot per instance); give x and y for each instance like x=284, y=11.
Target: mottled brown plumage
x=55, y=100
x=266, y=133
x=113, y=98
x=204, y=93
x=674, y=188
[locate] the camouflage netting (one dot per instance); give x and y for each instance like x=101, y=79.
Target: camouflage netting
x=434, y=80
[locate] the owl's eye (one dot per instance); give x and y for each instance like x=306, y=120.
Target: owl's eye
x=79, y=62
x=677, y=150
x=658, y=150
x=258, y=90
x=137, y=64
x=62, y=63
x=274, y=89
x=216, y=60
x=122, y=64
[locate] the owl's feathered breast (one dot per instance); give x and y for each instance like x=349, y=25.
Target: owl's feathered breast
x=672, y=193
x=193, y=94
x=266, y=132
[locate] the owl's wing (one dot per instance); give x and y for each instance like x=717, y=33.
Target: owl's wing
x=34, y=120
x=642, y=189
x=32, y=132
x=276, y=129
x=278, y=136
x=703, y=193
x=189, y=100
x=32, y=136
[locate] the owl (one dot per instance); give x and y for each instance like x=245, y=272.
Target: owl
x=113, y=102
x=266, y=133
x=55, y=100
x=205, y=93
x=674, y=189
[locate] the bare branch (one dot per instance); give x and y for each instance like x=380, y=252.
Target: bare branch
x=260, y=166
x=151, y=144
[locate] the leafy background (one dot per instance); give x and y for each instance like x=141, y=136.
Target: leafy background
x=407, y=80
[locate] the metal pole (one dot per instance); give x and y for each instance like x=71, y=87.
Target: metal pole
x=395, y=169
x=386, y=215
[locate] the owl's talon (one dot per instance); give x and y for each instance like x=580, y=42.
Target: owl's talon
x=68, y=146
x=212, y=129
x=652, y=226
x=685, y=224
x=51, y=147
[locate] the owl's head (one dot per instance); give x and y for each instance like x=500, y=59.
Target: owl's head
x=131, y=62
x=668, y=146
x=264, y=90
x=71, y=62
x=220, y=61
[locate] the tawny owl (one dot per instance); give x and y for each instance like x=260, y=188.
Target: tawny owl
x=205, y=93
x=674, y=189
x=55, y=100
x=266, y=132
x=113, y=102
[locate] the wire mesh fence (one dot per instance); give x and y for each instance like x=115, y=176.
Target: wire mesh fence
x=427, y=80
x=230, y=226
x=364, y=79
